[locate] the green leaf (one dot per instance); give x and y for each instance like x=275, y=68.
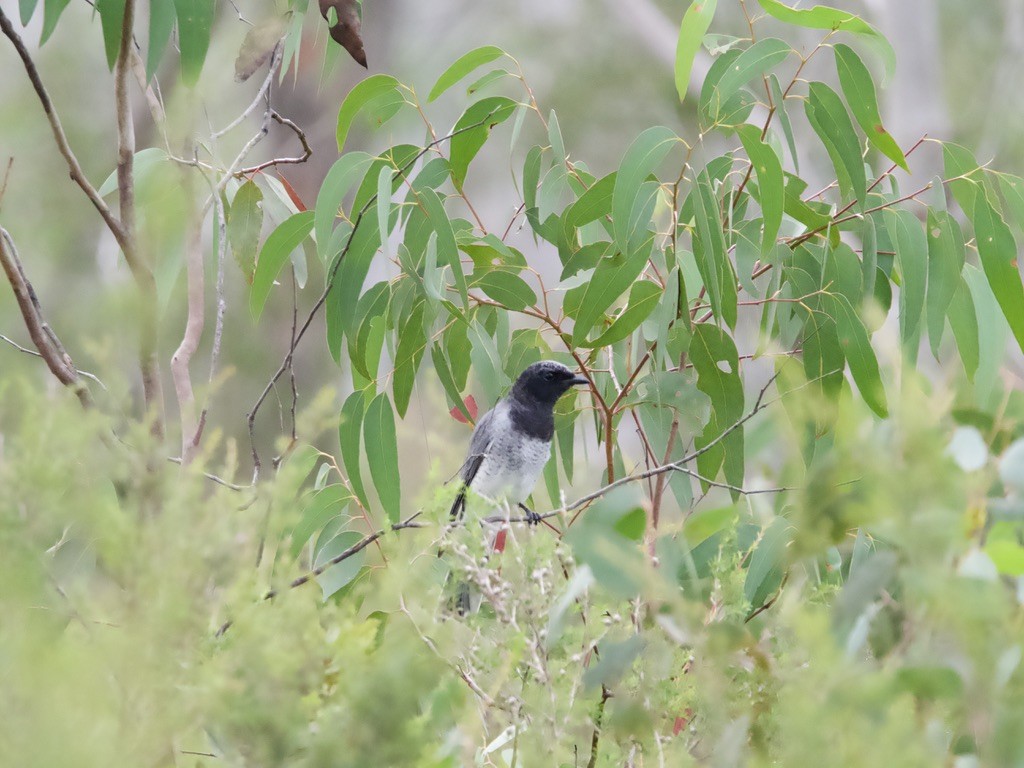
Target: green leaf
x=733, y=112
x=640, y=160
x=472, y=131
x=779, y=100
x=111, y=20
x=26, y=9
x=710, y=252
x=463, y=66
x=451, y=389
x=195, y=21
x=506, y=288
x=964, y=173
x=52, y=10
x=362, y=94
x=244, y=226
x=767, y=562
x=853, y=338
x=823, y=17
x=696, y=22
x=592, y=205
x=491, y=77
x=597, y=540
x=946, y=256
x=754, y=62
x=350, y=425
x=998, y=251
x=859, y=90
x=869, y=253
x=384, y=179
x=412, y=342
x=447, y=247
x=371, y=304
x=993, y=332
x=381, y=446
x=612, y=277
x=145, y=161
x=643, y=298
x=963, y=320
x=1013, y=191
x=342, y=176
x=348, y=284
x=338, y=576
x=161, y=23
x=770, y=183
x=320, y=508
x=830, y=120
x=912, y=260
x=282, y=241
x=713, y=354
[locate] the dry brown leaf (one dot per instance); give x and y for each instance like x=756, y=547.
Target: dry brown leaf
x=346, y=31
x=258, y=45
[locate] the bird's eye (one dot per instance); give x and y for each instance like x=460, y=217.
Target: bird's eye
x=550, y=375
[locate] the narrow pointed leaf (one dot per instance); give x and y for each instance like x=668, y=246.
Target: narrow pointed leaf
x=340, y=179
x=963, y=320
x=412, y=342
x=111, y=20
x=472, y=130
x=195, y=22
x=640, y=160
x=643, y=298
x=824, y=17
x=770, y=184
x=273, y=256
x=831, y=121
x=716, y=361
x=911, y=246
x=710, y=252
x=696, y=22
x=381, y=446
x=463, y=66
x=447, y=248
x=752, y=63
x=853, y=337
x=373, y=87
x=244, y=226
x=859, y=89
x=946, y=256
x=350, y=427
x=998, y=251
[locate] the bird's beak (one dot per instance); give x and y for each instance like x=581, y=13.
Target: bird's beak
x=580, y=381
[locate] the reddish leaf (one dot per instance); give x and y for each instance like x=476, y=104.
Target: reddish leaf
x=292, y=193
x=682, y=722
x=347, y=26
x=471, y=406
x=499, y=540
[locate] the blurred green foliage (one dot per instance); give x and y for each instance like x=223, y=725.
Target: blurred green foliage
x=832, y=570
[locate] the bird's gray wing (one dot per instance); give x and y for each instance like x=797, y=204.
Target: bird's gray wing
x=478, y=446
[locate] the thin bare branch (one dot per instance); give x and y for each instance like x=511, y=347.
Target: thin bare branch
x=260, y=94
x=307, y=151
x=194, y=325
x=45, y=340
x=359, y=546
x=77, y=175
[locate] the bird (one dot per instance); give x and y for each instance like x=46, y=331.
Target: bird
x=511, y=443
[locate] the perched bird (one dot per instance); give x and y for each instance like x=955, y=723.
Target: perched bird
x=512, y=442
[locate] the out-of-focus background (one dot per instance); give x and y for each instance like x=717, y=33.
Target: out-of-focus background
x=605, y=67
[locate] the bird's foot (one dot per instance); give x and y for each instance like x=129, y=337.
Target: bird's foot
x=532, y=518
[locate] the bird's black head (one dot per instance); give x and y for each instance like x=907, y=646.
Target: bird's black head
x=545, y=382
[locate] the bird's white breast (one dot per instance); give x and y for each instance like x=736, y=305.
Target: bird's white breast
x=513, y=463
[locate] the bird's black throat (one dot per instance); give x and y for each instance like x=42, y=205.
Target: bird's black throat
x=532, y=418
